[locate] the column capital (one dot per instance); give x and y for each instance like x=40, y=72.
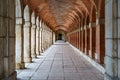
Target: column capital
x=27, y=23
x=81, y=29
x=100, y=21
x=33, y=26
x=92, y=24
x=19, y=20
x=85, y=26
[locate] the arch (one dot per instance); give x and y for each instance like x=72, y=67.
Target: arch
x=37, y=21
x=18, y=9
x=26, y=13
x=33, y=17
x=61, y=35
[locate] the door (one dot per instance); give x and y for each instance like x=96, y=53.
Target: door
x=59, y=36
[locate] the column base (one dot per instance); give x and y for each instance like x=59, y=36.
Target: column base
x=20, y=65
x=34, y=56
x=90, y=53
x=28, y=60
x=38, y=54
x=13, y=76
x=107, y=77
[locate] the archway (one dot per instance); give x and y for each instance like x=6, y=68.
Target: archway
x=60, y=35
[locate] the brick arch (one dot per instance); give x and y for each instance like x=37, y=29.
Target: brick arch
x=47, y=10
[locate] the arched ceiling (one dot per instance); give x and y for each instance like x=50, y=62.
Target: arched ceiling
x=61, y=14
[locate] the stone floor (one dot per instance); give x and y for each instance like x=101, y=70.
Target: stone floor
x=59, y=62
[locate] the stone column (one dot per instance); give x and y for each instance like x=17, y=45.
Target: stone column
x=19, y=44
x=82, y=40
x=43, y=40
x=83, y=34
x=79, y=39
x=40, y=39
x=27, y=42
x=86, y=45
x=37, y=37
x=33, y=36
x=88, y=40
x=92, y=40
x=27, y=35
x=7, y=40
x=33, y=41
x=100, y=41
x=112, y=40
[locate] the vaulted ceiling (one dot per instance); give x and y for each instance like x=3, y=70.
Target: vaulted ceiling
x=61, y=14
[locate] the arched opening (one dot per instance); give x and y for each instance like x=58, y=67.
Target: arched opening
x=60, y=35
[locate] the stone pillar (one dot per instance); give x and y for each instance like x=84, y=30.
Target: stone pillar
x=40, y=48
x=33, y=41
x=83, y=34
x=40, y=39
x=100, y=42
x=27, y=42
x=79, y=39
x=37, y=36
x=82, y=43
x=27, y=35
x=43, y=40
x=7, y=40
x=33, y=36
x=88, y=40
x=76, y=39
x=42, y=36
x=19, y=44
x=112, y=40
x=92, y=40
x=85, y=27
x=53, y=37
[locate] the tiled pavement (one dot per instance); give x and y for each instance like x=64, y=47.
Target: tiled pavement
x=59, y=62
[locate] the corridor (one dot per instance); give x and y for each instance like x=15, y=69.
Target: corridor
x=59, y=62
x=29, y=30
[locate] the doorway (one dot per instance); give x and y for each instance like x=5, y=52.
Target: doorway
x=59, y=36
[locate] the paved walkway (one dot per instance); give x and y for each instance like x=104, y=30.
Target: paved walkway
x=59, y=62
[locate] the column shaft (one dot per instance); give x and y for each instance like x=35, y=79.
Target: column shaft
x=19, y=44
x=27, y=42
x=33, y=41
